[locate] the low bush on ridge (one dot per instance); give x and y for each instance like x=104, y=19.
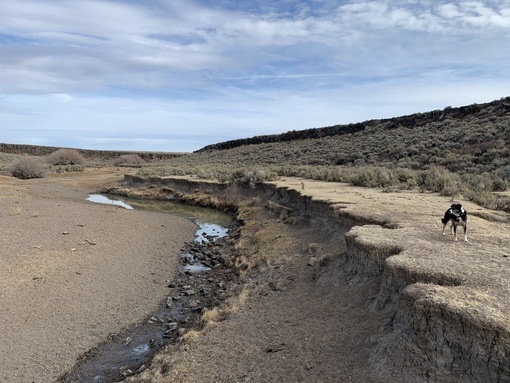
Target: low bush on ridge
x=129, y=160
x=66, y=157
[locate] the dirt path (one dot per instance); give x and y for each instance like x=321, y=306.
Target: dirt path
x=72, y=272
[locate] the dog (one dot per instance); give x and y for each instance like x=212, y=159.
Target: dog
x=457, y=215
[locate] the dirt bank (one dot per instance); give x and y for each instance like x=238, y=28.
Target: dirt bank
x=351, y=284
x=72, y=272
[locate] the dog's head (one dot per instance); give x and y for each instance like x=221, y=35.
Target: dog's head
x=458, y=211
x=456, y=208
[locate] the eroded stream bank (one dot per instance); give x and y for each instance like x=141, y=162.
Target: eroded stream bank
x=407, y=345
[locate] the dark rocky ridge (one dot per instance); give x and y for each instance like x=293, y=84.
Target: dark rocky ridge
x=87, y=153
x=494, y=109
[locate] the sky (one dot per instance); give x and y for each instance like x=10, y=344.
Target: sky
x=176, y=75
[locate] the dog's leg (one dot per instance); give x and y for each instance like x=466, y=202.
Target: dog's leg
x=445, y=221
x=455, y=232
x=465, y=232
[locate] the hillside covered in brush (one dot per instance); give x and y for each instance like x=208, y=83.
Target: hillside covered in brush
x=468, y=139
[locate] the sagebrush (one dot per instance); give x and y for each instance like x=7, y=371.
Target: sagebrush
x=28, y=167
x=66, y=157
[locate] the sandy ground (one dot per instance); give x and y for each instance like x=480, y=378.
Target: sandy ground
x=72, y=272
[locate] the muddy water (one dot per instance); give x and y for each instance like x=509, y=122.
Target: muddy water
x=131, y=351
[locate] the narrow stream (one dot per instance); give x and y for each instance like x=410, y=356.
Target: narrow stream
x=131, y=351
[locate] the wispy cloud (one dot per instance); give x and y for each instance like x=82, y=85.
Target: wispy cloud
x=236, y=69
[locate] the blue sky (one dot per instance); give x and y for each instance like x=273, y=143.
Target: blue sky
x=176, y=75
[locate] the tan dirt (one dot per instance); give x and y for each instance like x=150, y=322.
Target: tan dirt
x=72, y=272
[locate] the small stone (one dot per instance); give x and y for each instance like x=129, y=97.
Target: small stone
x=142, y=368
x=127, y=341
x=275, y=347
x=127, y=372
x=314, y=247
x=172, y=326
x=313, y=262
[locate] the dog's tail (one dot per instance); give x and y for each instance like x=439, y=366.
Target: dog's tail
x=444, y=221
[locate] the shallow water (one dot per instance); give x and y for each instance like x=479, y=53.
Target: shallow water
x=127, y=352
x=99, y=198
x=212, y=223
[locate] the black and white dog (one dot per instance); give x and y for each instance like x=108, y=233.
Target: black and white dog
x=458, y=217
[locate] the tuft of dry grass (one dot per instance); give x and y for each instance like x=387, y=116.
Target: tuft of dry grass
x=191, y=335
x=214, y=315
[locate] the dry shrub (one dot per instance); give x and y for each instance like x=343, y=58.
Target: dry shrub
x=67, y=168
x=28, y=167
x=129, y=160
x=66, y=157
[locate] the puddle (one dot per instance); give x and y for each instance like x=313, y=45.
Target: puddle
x=209, y=232
x=196, y=268
x=131, y=351
x=99, y=198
